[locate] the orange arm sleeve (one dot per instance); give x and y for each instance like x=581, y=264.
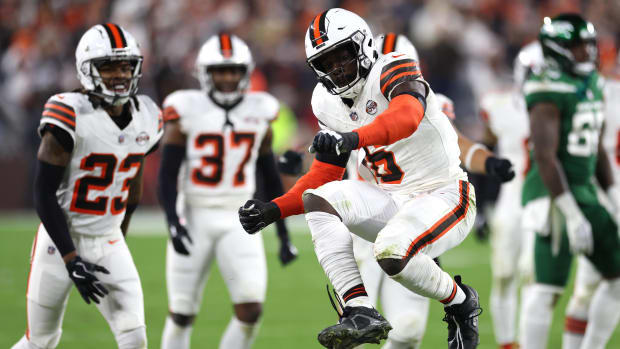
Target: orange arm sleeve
x=320, y=173
x=400, y=120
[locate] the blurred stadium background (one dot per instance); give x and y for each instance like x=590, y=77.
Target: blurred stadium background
x=466, y=49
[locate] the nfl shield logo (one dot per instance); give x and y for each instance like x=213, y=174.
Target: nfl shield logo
x=353, y=116
x=121, y=139
x=371, y=107
x=51, y=249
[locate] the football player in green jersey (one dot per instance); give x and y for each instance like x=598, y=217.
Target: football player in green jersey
x=565, y=104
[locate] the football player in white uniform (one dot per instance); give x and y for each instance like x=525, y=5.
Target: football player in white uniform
x=87, y=184
x=422, y=205
x=506, y=119
x=407, y=311
x=215, y=139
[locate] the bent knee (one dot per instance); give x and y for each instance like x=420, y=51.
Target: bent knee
x=315, y=203
x=392, y=266
x=248, y=312
x=182, y=320
x=132, y=339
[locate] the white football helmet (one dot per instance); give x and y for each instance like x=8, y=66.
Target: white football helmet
x=529, y=59
x=333, y=29
x=391, y=42
x=224, y=50
x=104, y=43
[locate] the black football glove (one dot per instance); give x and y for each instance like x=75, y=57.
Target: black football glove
x=288, y=253
x=331, y=142
x=499, y=168
x=290, y=163
x=256, y=215
x=177, y=234
x=82, y=274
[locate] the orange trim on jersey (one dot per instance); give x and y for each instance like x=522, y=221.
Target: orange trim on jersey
x=442, y=226
x=389, y=43
x=59, y=117
x=34, y=249
x=170, y=114
x=291, y=203
x=408, y=64
x=118, y=42
x=451, y=296
x=317, y=32
x=397, y=76
x=398, y=121
x=575, y=326
x=61, y=108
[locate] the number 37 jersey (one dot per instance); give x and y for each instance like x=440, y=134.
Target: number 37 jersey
x=93, y=193
x=426, y=160
x=222, y=145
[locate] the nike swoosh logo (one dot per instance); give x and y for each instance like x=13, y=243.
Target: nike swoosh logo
x=396, y=56
x=75, y=275
x=112, y=242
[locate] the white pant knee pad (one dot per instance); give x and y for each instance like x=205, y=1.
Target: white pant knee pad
x=132, y=339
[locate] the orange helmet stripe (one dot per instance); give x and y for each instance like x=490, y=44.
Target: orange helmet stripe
x=116, y=36
x=225, y=45
x=389, y=43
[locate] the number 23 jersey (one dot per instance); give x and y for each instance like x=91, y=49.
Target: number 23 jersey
x=93, y=193
x=426, y=160
x=222, y=145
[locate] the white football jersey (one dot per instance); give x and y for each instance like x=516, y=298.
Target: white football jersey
x=93, y=193
x=219, y=169
x=506, y=114
x=426, y=160
x=611, y=134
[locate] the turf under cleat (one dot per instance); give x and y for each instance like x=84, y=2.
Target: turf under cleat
x=357, y=325
x=462, y=319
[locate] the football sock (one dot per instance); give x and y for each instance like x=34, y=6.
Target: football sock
x=503, y=304
x=536, y=320
x=574, y=330
x=333, y=246
x=603, y=315
x=392, y=344
x=238, y=335
x=24, y=344
x=175, y=336
x=422, y=276
x=587, y=281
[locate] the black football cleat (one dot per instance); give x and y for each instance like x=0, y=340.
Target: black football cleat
x=357, y=325
x=462, y=319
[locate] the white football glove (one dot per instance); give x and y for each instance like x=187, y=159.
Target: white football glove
x=577, y=226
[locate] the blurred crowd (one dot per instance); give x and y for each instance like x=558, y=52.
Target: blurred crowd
x=466, y=49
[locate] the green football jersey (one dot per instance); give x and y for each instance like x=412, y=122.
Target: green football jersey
x=580, y=102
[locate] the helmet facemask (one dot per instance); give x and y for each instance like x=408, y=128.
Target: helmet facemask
x=342, y=67
x=114, y=90
x=226, y=91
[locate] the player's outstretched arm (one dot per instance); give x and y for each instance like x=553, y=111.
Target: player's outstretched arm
x=173, y=153
x=53, y=159
x=256, y=215
x=271, y=185
x=478, y=159
x=545, y=135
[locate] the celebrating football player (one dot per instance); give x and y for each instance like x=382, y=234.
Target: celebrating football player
x=215, y=140
x=565, y=104
x=88, y=183
x=422, y=205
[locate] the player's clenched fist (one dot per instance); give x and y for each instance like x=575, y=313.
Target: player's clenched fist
x=500, y=168
x=256, y=215
x=327, y=141
x=82, y=273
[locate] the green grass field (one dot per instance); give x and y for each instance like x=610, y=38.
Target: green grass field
x=296, y=308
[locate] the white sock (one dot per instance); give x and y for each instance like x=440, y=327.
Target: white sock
x=422, y=276
x=238, y=335
x=603, y=315
x=503, y=305
x=575, y=322
x=393, y=344
x=175, y=336
x=537, y=316
x=24, y=344
x=333, y=246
